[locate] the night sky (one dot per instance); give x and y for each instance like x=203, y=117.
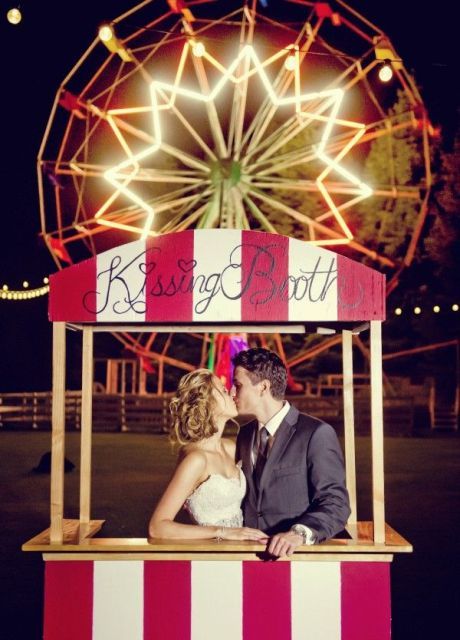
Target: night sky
x=36, y=56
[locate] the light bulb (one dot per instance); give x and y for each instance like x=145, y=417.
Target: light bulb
x=14, y=16
x=455, y=307
x=417, y=311
x=398, y=311
x=289, y=63
x=199, y=49
x=106, y=33
x=436, y=308
x=385, y=72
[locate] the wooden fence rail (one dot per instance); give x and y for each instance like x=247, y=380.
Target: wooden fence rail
x=150, y=413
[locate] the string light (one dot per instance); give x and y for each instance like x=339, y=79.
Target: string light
x=417, y=310
x=26, y=293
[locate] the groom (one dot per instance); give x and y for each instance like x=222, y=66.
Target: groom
x=292, y=461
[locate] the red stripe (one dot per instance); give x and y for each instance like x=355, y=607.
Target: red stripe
x=360, y=291
x=265, y=265
x=169, y=265
x=72, y=294
x=266, y=600
x=366, y=604
x=68, y=600
x=167, y=599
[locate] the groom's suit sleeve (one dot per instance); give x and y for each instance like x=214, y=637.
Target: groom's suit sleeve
x=329, y=507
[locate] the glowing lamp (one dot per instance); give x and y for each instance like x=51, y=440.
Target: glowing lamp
x=25, y=284
x=417, y=311
x=14, y=16
x=290, y=63
x=106, y=33
x=398, y=311
x=385, y=71
x=436, y=308
x=198, y=49
x=109, y=39
x=455, y=307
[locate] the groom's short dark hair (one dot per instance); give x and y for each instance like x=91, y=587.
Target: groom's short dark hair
x=262, y=364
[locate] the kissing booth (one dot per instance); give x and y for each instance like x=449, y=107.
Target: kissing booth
x=215, y=280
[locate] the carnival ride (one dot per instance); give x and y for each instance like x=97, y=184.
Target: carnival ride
x=232, y=115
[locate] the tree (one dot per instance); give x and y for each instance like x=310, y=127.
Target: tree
x=385, y=224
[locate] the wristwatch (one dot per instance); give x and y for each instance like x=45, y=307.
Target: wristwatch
x=307, y=534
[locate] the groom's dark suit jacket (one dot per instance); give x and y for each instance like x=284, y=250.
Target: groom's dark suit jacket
x=303, y=480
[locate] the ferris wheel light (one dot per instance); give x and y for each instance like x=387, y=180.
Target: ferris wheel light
x=417, y=311
x=455, y=307
x=14, y=16
x=398, y=311
x=290, y=63
x=330, y=102
x=436, y=308
x=106, y=33
x=108, y=37
x=25, y=284
x=198, y=49
x=385, y=72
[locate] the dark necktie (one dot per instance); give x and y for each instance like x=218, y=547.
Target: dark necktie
x=262, y=454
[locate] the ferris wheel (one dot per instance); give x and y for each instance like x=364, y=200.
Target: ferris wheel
x=206, y=114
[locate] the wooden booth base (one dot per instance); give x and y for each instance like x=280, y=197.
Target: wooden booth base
x=98, y=588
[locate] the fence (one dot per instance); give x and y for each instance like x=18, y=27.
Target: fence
x=149, y=413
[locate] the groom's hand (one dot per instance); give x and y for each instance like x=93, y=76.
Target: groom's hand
x=284, y=544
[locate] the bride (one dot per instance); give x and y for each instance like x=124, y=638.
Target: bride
x=206, y=481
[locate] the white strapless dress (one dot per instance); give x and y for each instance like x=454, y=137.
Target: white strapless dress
x=217, y=501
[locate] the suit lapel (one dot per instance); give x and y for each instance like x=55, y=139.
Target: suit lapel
x=247, y=444
x=282, y=438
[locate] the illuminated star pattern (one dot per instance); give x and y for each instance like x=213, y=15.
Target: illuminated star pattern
x=239, y=170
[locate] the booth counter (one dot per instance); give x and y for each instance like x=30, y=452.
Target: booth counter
x=132, y=589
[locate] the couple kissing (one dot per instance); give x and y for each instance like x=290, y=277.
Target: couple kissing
x=281, y=484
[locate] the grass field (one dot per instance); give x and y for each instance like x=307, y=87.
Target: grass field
x=130, y=471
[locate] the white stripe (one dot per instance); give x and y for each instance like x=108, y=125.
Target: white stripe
x=312, y=283
x=118, y=601
x=217, y=275
x=121, y=283
x=217, y=592
x=315, y=600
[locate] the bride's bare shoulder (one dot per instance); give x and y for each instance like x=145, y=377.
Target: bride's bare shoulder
x=192, y=456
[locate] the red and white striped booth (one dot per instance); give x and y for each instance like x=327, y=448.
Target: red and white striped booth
x=228, y=600
x=129, y=589
x=217, y=275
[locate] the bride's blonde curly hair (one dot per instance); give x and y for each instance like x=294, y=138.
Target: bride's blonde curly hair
x=192, y=408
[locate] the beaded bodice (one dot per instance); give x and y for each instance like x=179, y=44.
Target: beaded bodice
x=217, y=501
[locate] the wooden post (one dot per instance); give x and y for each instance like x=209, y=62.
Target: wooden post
x=86, y=426
x=349, y=422
x=142, y=381
x=160, y=376
x=378, y=494
x=58, y=434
